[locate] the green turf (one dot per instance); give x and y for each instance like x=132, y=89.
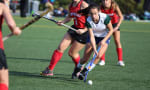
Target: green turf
x=30, y=53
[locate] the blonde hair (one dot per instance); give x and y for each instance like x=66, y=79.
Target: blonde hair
x=113, y=4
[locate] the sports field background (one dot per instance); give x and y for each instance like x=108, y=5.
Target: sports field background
x=30, y=53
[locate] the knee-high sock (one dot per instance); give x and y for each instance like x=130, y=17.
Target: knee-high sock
x=55, y=58
x=3, y=86
x=103, y=57
x=76, y=60
x=120, y=54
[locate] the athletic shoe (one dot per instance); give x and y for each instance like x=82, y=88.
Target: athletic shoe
x=74, y=74
x=82, y=74
x=121, y=63
x=102, y=63
x=47, y=72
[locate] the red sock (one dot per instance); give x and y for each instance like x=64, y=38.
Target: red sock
x=76, y=60
x=119, y=52
x=55, y=58
x=103, y=57
x=3, y=86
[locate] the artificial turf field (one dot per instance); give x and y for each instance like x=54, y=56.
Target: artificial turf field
x=30, y=53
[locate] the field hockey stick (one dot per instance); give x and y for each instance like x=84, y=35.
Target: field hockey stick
x=91, y=62
x=50, y=8
x=53, y=20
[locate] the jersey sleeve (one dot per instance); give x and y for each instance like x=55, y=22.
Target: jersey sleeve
x=107, y=20
x=88, y=25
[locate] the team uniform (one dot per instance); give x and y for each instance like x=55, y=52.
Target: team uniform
x=79, y=23
x=113, y=15
x=99, y=29
x=114, y=20
x=3, y=63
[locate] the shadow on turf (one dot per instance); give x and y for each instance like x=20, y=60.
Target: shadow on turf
x=37, y=59
x=60, y=77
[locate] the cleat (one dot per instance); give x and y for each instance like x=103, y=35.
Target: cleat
x=74, y=76
x=75, y=72
x=121, y=63
x=82, y=74
x=102, y=63
x=47, y=72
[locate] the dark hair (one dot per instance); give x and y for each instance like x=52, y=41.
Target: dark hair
x=87, y=10
x=1, y=1
x=93, y=6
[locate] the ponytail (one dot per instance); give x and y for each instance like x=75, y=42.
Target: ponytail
x=87, y=10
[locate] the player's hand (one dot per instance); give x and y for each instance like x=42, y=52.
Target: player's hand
x=16, y=31
x=80, y=31
x=95, y=52
x=59, y=23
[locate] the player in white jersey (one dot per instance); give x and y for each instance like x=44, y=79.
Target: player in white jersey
x=100, y=29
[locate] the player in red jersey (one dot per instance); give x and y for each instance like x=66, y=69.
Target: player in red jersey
x=111, y=8
x=75, y=39
x=5, y=13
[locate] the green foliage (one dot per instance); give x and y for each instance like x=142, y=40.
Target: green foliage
x=130, y=6
x=126, y=6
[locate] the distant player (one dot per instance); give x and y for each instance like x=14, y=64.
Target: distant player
x=5, y=14
x=111, y=8
x=100, y=30
x=75, y=39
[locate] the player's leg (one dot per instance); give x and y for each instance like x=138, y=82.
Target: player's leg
x=57, y=54
x=87, y=53
x=4, y=79
x=3, y=72
x=100, y=53
x=116, y=35
x=74, y=51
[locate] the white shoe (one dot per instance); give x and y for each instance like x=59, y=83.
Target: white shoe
x=121, y=63
x=102, y=63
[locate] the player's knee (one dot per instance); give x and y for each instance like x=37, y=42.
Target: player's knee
x=117, y=41
x=60, y=49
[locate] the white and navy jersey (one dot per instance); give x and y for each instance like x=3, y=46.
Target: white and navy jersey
x=99, y=29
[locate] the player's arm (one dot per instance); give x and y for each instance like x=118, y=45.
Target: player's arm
x=92, y=38
x=117, y=9
x=107, y=22
x=10, y=21
x=84, y=5
x=66, y=20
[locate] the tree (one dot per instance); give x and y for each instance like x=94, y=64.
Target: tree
x=126, y=6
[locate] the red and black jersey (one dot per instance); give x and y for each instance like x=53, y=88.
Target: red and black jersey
x=79, y=20
x=110, y=12
x=1, y=41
